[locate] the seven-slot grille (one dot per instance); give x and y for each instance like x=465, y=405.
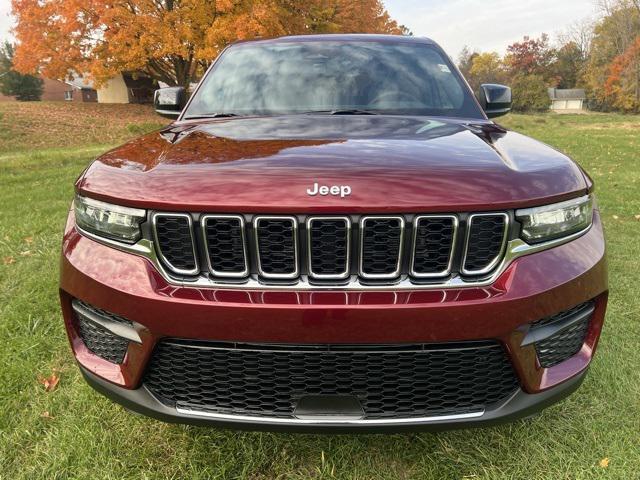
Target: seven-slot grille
x=332, y=248
x=389, y=381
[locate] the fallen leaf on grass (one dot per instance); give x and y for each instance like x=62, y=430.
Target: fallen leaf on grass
x=637, y=217
x=47, y=415
x=8, y=260
x=50, y=383
x=616, y=217
x=26, y=253
x=604, y=463
x=28, y=240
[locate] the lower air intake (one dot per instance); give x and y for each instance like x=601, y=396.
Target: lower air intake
x=388, y=381
x=97, y=339
x=567, y=342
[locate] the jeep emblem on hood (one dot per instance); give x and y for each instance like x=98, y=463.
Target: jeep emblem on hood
x=342, y=190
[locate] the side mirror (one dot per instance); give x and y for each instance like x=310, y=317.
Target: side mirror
x=494, y=99
x=169, y=102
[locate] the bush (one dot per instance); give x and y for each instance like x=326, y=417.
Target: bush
x=24, y=87
x=529, y=94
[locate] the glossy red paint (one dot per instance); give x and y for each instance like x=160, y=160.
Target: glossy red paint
x=531, y=288
x=420, y=164
x=392, y=164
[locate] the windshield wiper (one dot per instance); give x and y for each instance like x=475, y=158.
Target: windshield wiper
x=344, y=111
x=212, y=115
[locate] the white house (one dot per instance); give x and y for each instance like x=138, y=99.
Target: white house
x=567, y=100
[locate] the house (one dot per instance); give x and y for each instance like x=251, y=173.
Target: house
x=59, y=91
x=568, y=100
x=80, y=90
x=128, y=87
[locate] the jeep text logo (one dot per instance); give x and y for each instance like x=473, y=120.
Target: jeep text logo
x=342, y=190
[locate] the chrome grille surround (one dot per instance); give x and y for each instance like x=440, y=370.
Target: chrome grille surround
x=347, y=270
x=381, y=276
x=218, y=273
x=494, y=262
x=515, y=248
x=180, y=271
x=452, y=249
x=296, y=255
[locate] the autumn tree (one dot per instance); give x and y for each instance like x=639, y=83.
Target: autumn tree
x=531, y=56
x=173, y=41
x=465, y=61
x=622, y=86
x=609, y=72
x=487, y=67
x=14, y=84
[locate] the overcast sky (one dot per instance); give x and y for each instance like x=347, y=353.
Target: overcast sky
x=487, y=25
x=481, y=24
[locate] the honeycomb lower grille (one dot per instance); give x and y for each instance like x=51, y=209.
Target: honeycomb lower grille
x=388, y=381
x=99, y=340
x=567, y=342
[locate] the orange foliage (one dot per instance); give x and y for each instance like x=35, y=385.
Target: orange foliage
x=171, y=40
x=622, y=85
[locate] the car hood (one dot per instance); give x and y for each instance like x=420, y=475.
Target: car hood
x=390, y=163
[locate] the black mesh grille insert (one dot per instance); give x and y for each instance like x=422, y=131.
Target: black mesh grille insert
x=98, y=339
x=381, y=244
x=225, y=245
x=175, y=241
x=566, y=343
x=407, y=381
x=329, y=243
x=277, y=246
x=560, y=317
x=433, y=245
x=485, y=241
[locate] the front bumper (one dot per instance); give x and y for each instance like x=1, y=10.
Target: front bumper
x=520, y=405
x=533, y=287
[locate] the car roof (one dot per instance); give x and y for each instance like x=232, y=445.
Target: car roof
x=340, y=37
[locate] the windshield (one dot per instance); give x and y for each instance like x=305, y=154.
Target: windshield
x=333, y=77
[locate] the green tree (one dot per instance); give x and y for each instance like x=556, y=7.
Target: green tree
x=14, y=84
x=568, y=66
x=486, y=67
x=529, y=93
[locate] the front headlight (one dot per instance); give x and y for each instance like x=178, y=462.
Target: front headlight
x=108, y=220
x=540, y=224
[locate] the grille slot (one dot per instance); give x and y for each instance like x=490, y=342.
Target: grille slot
x=433, y=243
x=225, y=245
x=329, y=242
x=97, y=339
x=381, y=246
x=277, y=243
x=486, y=240
x=175, y=241
x=567, y=342
x=389, y=382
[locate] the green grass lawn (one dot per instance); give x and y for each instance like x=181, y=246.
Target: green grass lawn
x=73, y=432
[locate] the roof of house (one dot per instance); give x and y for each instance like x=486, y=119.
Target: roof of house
x=567, y=94
x=78, y=81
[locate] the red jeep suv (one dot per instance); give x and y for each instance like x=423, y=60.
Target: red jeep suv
x=332, y=235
